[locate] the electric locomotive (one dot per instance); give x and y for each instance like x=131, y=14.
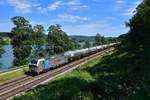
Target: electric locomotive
x=41, y=64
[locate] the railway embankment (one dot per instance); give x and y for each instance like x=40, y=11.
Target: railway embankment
x=71, y=85
x=119, y=75
x=12, y=88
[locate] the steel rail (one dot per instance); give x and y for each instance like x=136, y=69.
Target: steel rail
x=26, y=84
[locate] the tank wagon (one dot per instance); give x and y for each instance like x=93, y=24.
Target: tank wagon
x=44, y=64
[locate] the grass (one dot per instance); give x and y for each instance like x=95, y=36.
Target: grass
x=6, y=76
x=71, y=85
x=6, y=40
x=116, y=76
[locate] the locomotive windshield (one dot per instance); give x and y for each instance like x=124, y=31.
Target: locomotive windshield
x=34, y=61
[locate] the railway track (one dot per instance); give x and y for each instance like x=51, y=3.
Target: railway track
x=14, y=87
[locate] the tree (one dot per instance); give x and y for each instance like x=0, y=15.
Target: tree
x=99, y=40
x=58, y=40
x=38, y=40
x=21, y=40
x=139, y=34
x=75, y=44
x=103, y=40
x=1, y=49
x=87, y=44
x=38, y=36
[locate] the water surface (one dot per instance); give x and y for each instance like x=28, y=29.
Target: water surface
x=7, y=58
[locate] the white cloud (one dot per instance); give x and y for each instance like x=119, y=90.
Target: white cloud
x=23, y=6
x=131, y=10
x=120, y=2
x=75, y=5
x=73, y=2
x=78, y=7
x=36, y=5
x=126, y=8
x=128, y=12
x=54, y=5
x=26, y=6
x=136, y=3
x=42, y=10
x=71, y=18
x=71, y=5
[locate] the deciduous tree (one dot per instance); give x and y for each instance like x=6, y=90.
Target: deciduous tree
x=87, y=44
x=139, y=34
x=99, y=40
x=58, y=40
x=21, y=40
x=1, y=49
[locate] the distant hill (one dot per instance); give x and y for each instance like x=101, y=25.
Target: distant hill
x=4, y=34
x=81, y=38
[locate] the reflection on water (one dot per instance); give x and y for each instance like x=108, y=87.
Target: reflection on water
x=7, y=58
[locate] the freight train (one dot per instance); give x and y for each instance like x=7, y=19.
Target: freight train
x=42, y=64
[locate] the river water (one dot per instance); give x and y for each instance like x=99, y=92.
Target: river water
x=6, y=61
x=7, y=58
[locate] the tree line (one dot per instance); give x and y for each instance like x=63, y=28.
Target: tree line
x=138, y=38
x=1, y=49
x=29, y=41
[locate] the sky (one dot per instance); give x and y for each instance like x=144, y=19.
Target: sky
x=77, y=17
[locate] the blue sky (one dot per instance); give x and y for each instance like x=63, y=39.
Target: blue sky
x=77, y=17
